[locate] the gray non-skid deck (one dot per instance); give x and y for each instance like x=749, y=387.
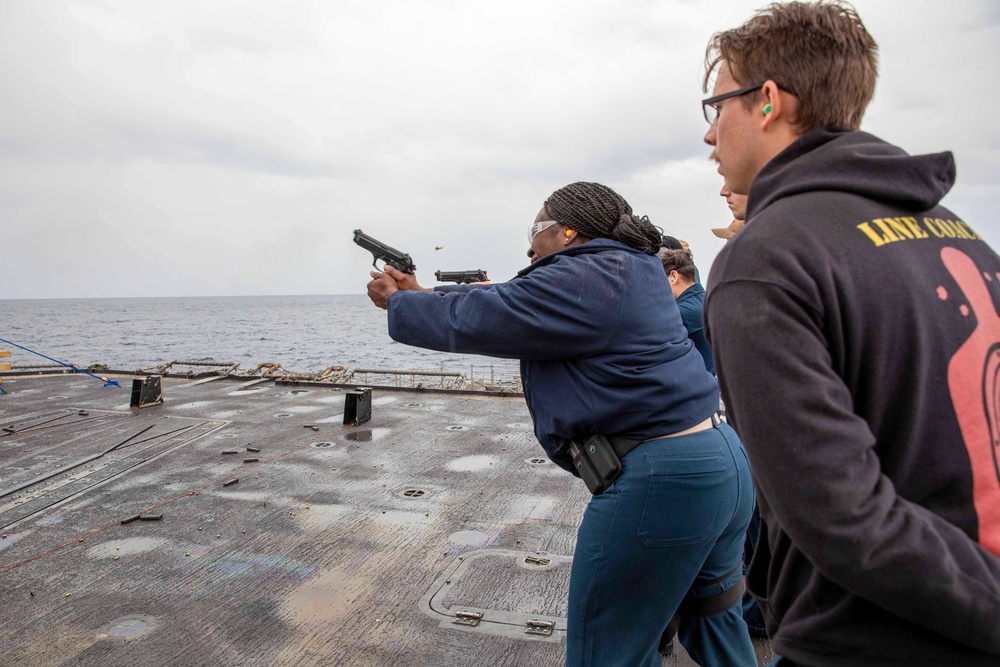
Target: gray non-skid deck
x=338, y=546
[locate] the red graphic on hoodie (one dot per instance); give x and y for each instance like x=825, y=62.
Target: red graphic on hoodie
x=974, y=383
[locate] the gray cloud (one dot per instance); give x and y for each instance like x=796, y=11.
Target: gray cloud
x=163, y=148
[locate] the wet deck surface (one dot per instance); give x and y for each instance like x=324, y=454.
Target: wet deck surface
x=338, y=546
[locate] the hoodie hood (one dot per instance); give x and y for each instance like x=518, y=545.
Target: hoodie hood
x=857, y=163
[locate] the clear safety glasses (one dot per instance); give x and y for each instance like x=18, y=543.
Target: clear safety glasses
x=538, y=227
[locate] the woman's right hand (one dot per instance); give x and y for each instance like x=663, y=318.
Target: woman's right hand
x=405, y=281
x=391, y=280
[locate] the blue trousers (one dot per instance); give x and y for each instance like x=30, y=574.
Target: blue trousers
x=676, y=516
x=751, y=610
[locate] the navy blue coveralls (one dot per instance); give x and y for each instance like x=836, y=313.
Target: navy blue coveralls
x=603, y=350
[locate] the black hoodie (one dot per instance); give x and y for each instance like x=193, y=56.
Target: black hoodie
x=855, y=328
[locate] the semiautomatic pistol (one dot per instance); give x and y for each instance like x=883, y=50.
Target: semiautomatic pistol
x=380, y=251
x=461, y=277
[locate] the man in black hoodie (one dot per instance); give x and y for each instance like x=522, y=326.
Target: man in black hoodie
x=855, y=325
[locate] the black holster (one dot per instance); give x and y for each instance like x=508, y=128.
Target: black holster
x=596, y=461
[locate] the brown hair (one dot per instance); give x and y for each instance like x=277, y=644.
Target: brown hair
x=679, y=261
x=820, y=50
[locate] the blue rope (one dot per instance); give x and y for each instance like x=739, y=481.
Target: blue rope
x=106, y=381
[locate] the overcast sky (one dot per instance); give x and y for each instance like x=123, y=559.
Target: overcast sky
x=190, y=148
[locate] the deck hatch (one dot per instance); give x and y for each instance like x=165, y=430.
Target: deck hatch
x=503, y=592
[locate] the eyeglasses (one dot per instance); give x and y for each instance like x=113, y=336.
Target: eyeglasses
x=711, y=111
x=538, y=227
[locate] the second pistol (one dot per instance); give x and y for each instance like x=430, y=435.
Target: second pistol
x=461, y=277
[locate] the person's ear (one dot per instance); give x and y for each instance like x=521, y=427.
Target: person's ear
x=774, y=106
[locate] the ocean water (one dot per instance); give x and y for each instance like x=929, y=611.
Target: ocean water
x=305, y=334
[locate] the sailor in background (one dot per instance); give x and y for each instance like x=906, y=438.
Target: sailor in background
x=690, y=297
x=606, y=361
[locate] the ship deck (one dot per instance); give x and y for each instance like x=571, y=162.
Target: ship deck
x=368, y=545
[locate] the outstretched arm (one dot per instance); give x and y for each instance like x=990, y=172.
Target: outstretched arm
x=551, y=313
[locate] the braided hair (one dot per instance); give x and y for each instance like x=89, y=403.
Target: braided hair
x=597, y=211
